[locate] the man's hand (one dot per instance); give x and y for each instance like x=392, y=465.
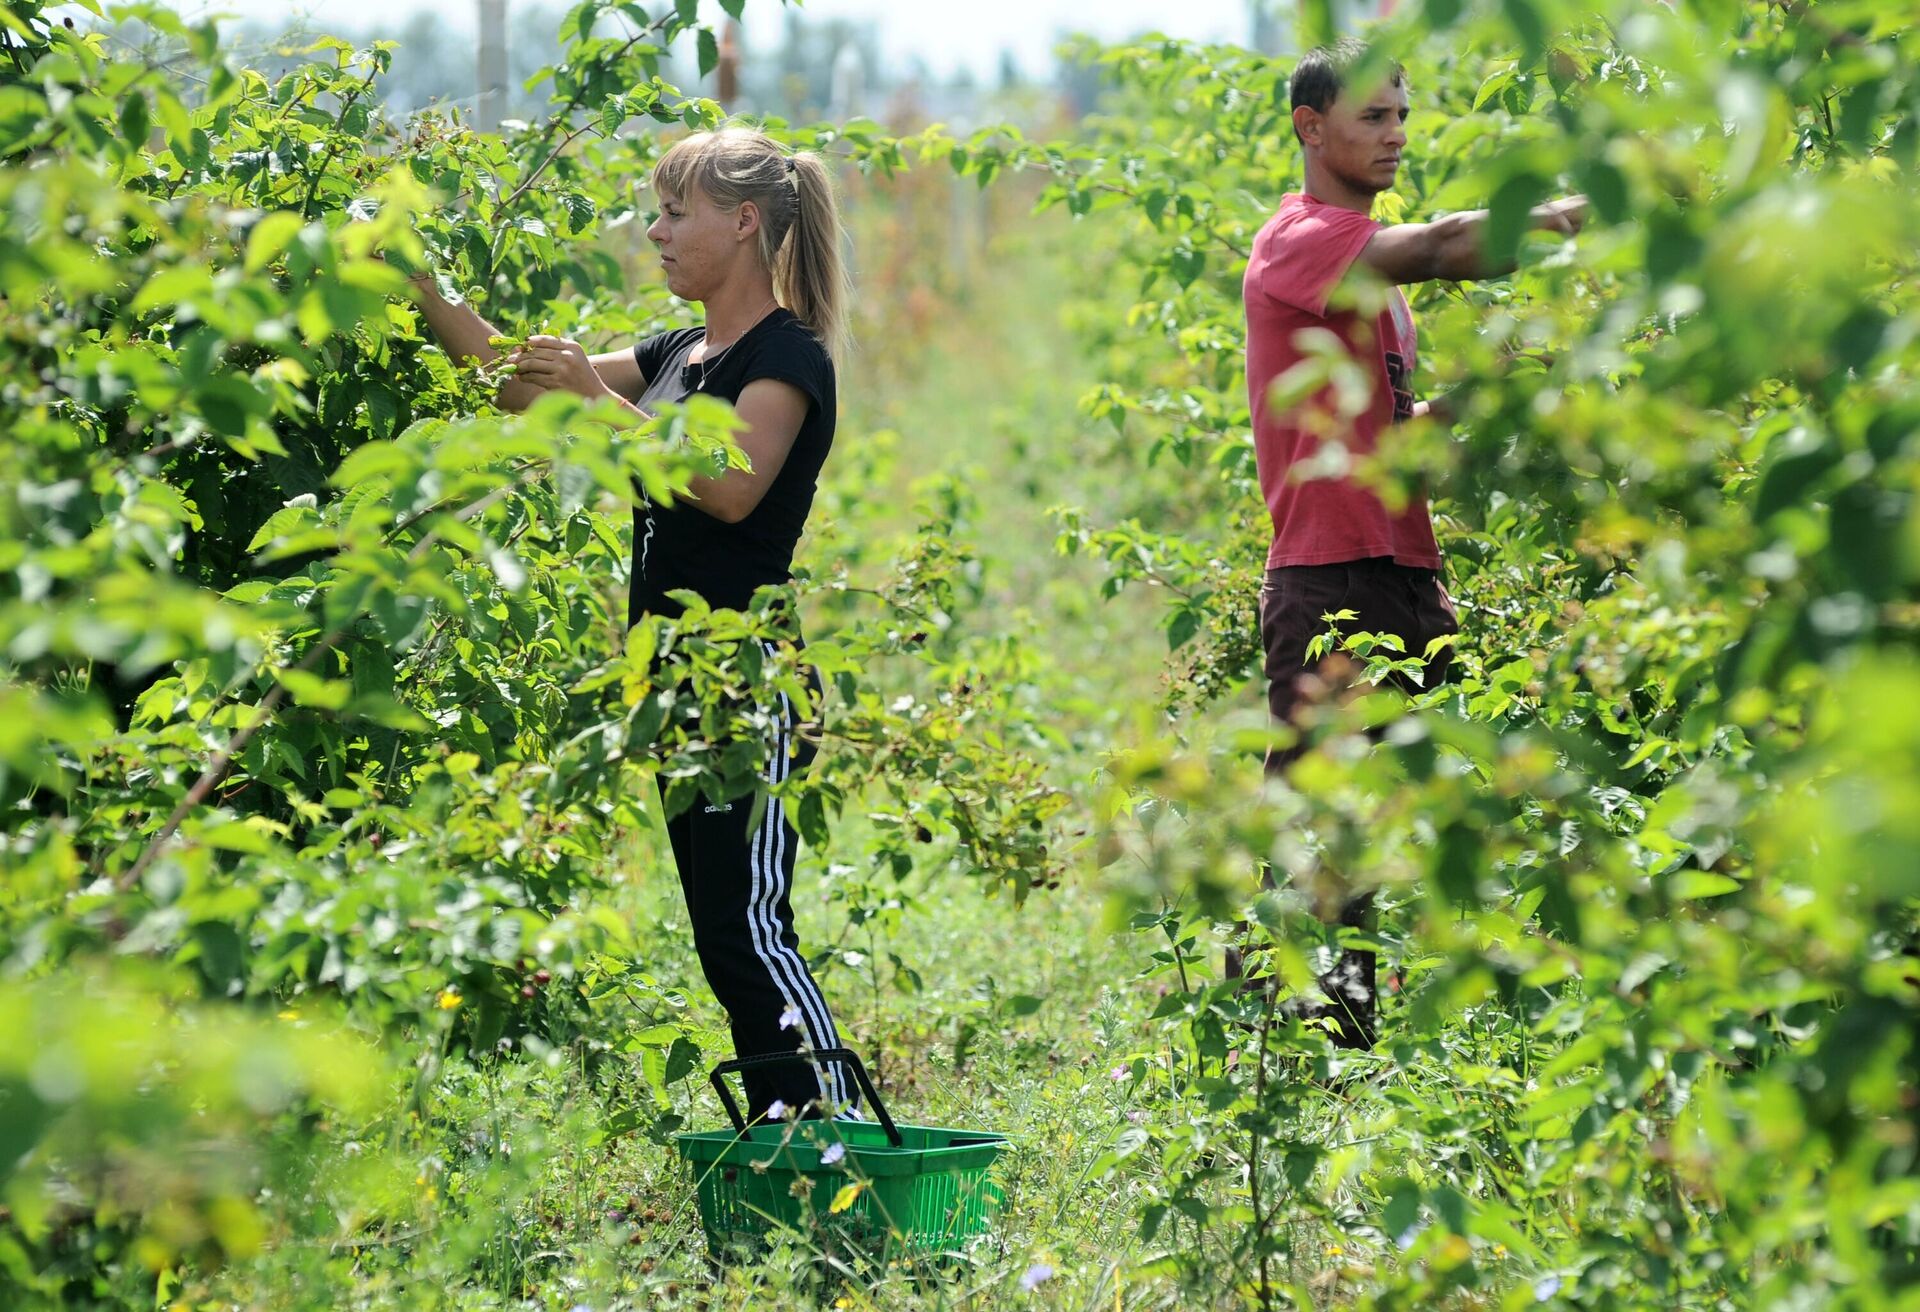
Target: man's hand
x=1567, y=216
x=557, y=364
x=1453, y=246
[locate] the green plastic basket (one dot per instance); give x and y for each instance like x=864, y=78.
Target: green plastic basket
x=919, y=1190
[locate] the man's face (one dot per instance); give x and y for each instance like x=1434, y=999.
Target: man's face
x=1360, y=138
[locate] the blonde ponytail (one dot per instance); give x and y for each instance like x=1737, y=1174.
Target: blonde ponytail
x=800, y=231
x=810, y=275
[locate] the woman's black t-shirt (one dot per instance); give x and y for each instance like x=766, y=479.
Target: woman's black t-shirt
x=680, y=545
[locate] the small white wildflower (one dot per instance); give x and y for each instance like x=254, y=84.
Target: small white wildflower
x=832, y=1153
x=1037, y=1274
x=777, y=1111
x=1545, y=1288
x=790, y=1017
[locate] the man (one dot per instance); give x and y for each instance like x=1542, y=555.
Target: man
x=1336, y=544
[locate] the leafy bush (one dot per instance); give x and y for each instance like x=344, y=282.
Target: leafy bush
x=1651, y=911
x=318, y=695
x=318, y=676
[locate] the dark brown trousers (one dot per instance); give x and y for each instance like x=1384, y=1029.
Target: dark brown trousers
x=1385, y=598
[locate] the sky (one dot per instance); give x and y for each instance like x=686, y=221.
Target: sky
x=948, y=37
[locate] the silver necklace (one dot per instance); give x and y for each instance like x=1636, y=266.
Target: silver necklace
x=706, y=362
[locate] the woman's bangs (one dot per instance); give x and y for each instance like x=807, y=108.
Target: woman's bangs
x=681, y=165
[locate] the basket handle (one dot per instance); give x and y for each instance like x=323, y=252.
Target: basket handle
x=846, y=1056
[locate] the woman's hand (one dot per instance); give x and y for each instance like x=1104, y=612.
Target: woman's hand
x=558, y=364
x=418, y=281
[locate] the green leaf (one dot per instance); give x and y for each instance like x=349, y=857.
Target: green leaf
x=21, y=112
x=1528, y=24
x=309, y=689
x=135, y=120
x=370, y=461
x=253, y=836
x=1510, y=213
x=1402, y=1210
x=1457, y=864
x=682, y=1059
x=1673, y=246
x=382, y=709
x=1186, y=263
x=383, y=410
x=1605, y=186
x=1494, y=87
x=1183, y=627
x=1795, y=462
x=285, y=522
x=1690, y=884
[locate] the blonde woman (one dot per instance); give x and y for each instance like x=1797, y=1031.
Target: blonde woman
x=750, y=232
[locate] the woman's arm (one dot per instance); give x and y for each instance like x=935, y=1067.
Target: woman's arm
x=463, y=334
x=558, y=364
x=773, y=412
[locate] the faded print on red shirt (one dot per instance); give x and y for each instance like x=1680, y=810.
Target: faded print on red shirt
x=1298, y=259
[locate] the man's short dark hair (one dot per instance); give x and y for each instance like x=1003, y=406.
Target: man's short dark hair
x=1322, y=72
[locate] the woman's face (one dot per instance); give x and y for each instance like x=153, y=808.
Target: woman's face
x=699, y=242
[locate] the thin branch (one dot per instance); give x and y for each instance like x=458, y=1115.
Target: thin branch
x=573, y=103
x=158, y=65
x=318, y=174
x=1261, y=1220
x=541, y=167
x=900, y=606
x=1798, y=10
x=526, y=473
x=217, y=768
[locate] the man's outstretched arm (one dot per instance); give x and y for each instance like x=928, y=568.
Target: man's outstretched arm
x=1454, y=247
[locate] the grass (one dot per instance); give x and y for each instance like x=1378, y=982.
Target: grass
x=522, y=1201
x=550, y=1181
x=1013, y=1018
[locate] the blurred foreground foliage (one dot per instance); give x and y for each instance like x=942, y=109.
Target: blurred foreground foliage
x=1650, y=867
x=315, y=675
x=321, y=728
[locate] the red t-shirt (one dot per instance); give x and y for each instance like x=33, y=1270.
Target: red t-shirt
x=1299, y=257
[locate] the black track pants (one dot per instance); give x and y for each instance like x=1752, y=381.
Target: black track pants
x=736, y=882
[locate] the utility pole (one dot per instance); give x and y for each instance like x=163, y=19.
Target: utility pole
x=1268, y=37
x=847, y=93
x=728, y=87
x=493, y=65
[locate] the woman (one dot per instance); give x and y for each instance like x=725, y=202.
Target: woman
x=752, y=234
